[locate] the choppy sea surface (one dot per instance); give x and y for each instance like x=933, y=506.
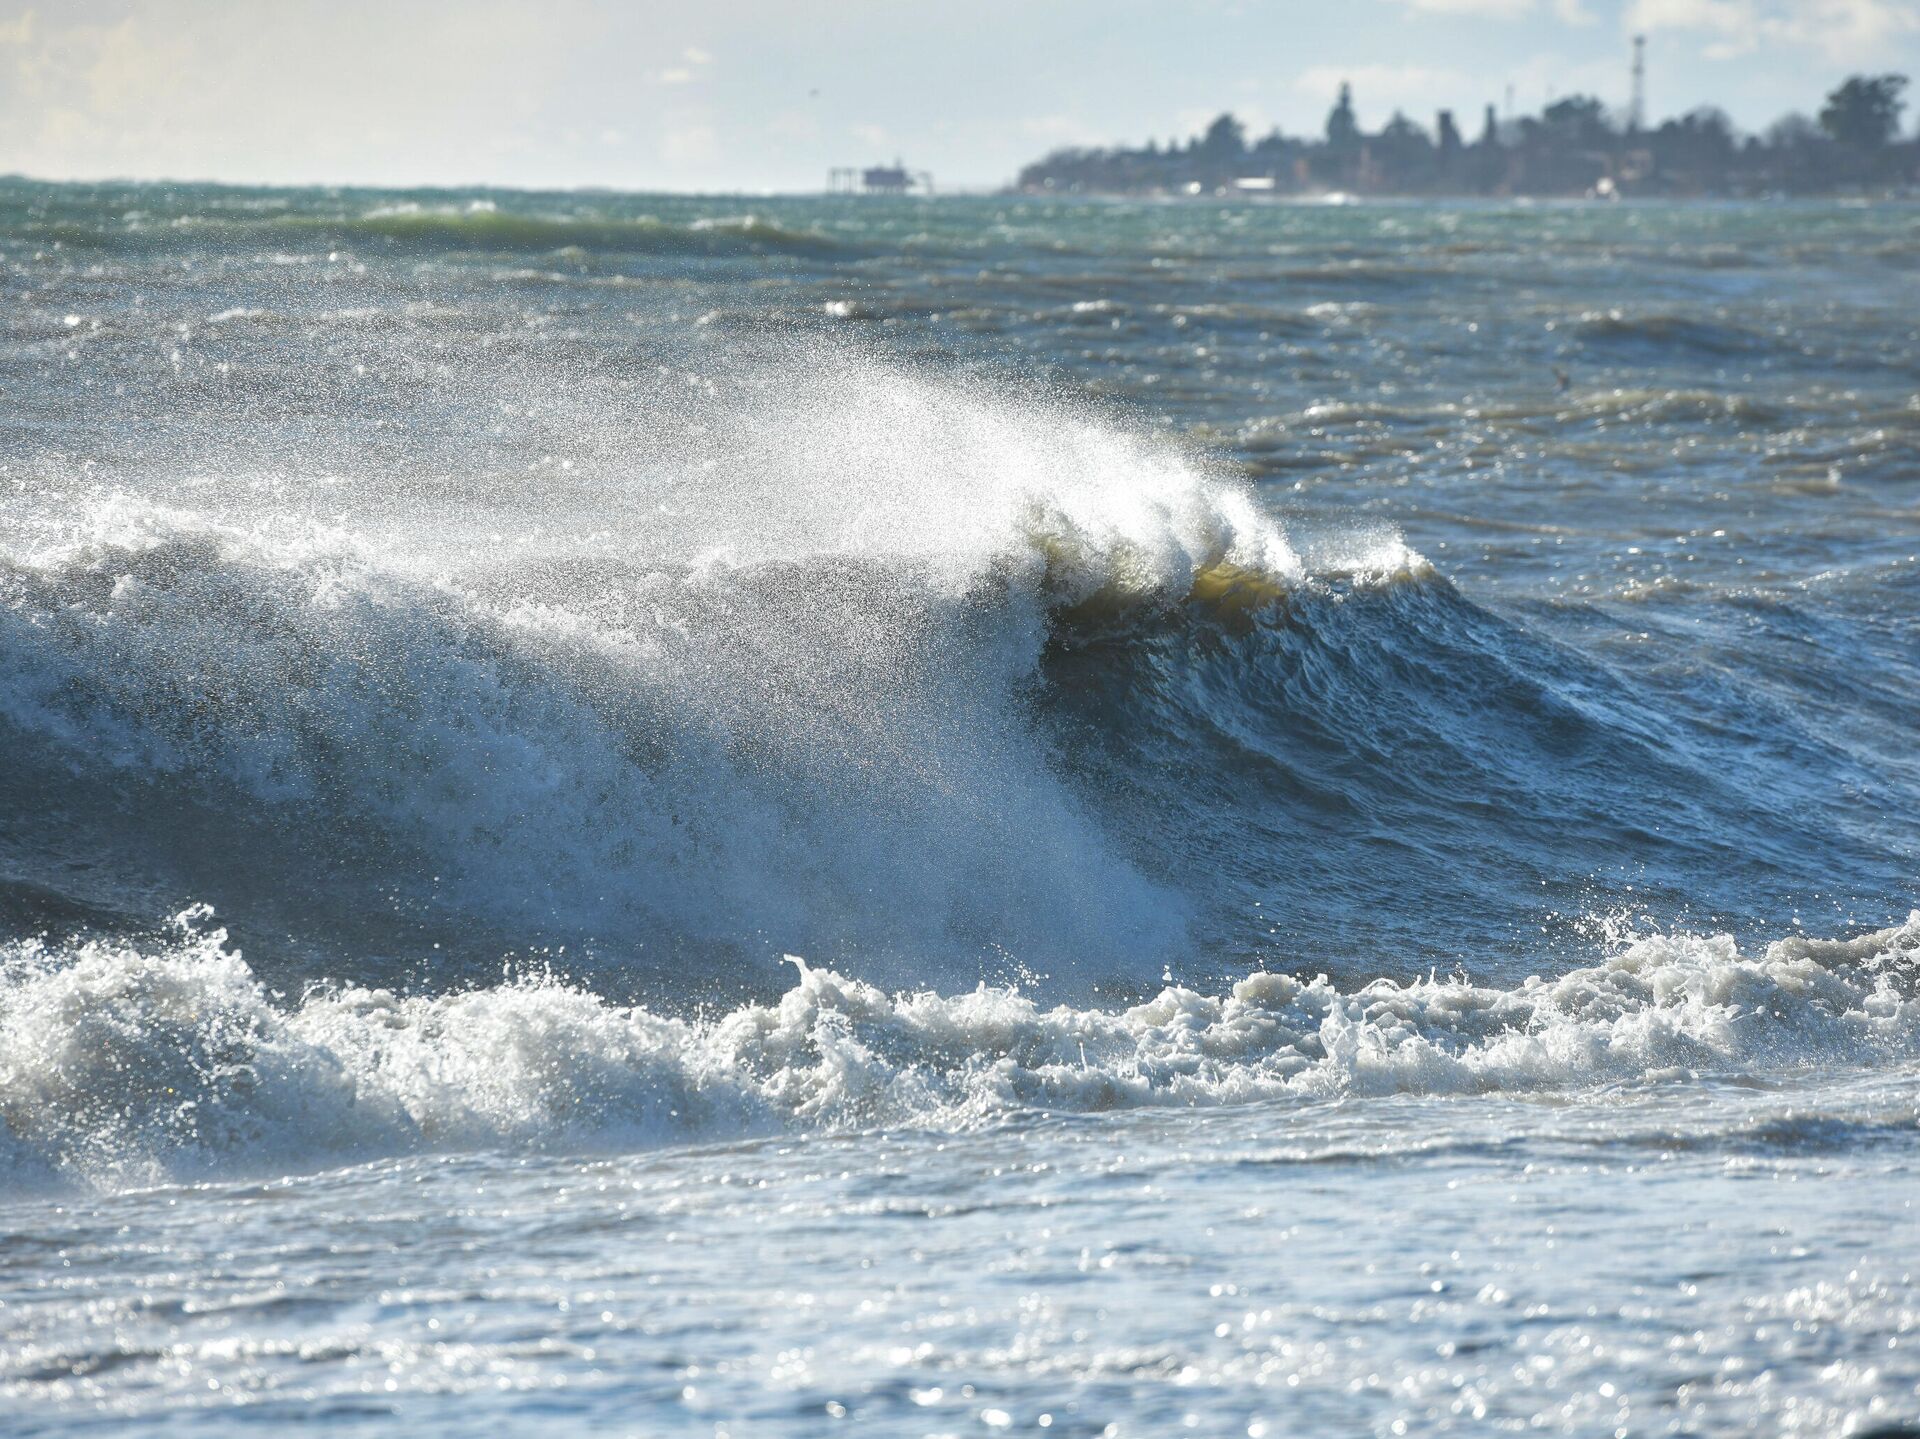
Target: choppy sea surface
x=663, y=816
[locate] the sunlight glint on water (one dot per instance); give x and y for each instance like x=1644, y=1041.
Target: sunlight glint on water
x=1342, y=885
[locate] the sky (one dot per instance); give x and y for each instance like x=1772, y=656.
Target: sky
x=764, y=95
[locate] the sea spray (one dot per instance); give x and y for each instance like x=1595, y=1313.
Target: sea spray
x=787, y=702
x=524, y=617
x=135, y=1063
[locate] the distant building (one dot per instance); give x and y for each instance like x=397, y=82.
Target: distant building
x=886, y=180
x=894, y=179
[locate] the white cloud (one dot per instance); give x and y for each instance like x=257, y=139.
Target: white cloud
x=1848, y=32
x=196, y=88
x=1542, y=78
x=1735, y=21
x=1844, y=32
x=1379, y=89
x=1488, y=9
x=1573, y=12
x=1058, y=130
x=800, y=126
x=694, y=69
x=690, y=146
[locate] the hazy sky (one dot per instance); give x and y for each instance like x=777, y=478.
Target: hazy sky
x=767, y=94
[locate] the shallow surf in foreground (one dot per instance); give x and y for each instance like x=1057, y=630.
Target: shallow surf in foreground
x=142, y=1065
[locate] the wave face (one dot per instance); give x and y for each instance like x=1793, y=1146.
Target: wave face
x=123, y=1064
x=820, y=654
x=782, y=696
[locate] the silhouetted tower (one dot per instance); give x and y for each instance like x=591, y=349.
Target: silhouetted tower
x=1343, y=130
x=1637, y=112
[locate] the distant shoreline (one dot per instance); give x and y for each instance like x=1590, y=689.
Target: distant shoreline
x=1575, y=148
x=1302, y=198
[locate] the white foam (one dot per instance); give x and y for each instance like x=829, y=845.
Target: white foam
x=125, y=1064
x=766, y=684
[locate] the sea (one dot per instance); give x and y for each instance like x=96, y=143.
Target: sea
x=679, y=816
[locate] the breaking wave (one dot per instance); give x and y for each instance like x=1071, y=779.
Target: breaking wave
x=981, y=705
x=929, y=683
x=786, y=699
x=124, y=1064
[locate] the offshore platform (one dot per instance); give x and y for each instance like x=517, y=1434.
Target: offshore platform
x=894, y=179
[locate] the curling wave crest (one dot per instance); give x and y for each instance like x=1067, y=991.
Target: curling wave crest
x=769, y=683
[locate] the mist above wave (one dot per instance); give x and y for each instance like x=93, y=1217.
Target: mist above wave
x=762, y=679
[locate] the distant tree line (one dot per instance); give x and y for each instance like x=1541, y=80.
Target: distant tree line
x=1572, y=147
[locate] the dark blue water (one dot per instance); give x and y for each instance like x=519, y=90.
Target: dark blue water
x=1428, y=689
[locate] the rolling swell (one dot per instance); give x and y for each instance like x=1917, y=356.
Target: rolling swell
x=1663, y=332
x=1370, y=764
x=494, y=230
x=447, y=229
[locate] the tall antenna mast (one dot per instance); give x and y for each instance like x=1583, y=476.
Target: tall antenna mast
x=1637, y=114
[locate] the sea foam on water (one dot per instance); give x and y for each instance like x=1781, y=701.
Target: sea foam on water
x=522, y=619
x=134, y=1063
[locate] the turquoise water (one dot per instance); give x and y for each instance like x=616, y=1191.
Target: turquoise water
x=1341, y=778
